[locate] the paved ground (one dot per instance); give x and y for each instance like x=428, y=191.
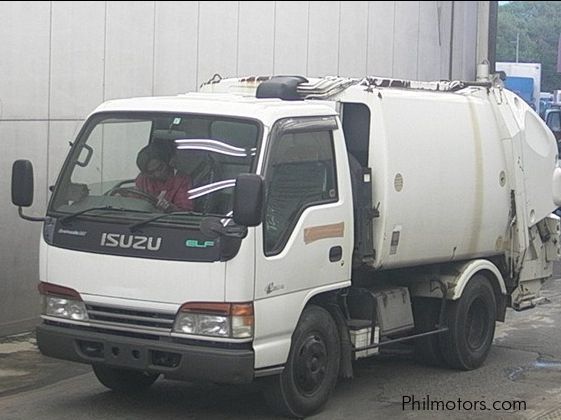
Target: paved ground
x=524, y=366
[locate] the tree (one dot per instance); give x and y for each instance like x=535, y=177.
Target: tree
x=538, y=26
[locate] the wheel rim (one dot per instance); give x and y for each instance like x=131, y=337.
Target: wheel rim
x=311, y=365
x=477, y=324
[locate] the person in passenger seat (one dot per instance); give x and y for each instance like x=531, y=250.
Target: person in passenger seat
x=158, y=178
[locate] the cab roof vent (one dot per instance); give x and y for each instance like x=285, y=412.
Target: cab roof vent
x=282, y=87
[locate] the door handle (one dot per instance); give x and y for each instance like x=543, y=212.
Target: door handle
x=335, y=253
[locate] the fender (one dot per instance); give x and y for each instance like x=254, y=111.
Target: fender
x=456, y=279
x=271, y=350
x=457, y=286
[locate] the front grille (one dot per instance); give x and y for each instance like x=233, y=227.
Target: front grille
x=126, y=318
x=142, y=336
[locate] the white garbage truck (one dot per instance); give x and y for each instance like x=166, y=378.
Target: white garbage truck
x=322, y=220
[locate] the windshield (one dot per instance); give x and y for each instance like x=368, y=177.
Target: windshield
x=156, y=164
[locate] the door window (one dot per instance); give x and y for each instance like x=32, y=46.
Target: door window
x=301, y=173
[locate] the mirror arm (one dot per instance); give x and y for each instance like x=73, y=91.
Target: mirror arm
x=235, y=231
x=232, y=231
x=30, y=218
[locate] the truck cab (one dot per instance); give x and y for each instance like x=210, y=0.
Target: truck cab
x=193, y=294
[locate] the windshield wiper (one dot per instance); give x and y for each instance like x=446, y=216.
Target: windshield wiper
x=136, y=225
x=66, y=219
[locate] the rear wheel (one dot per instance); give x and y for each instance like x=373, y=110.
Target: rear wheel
x=471, y=325
x=312, y=368
x=124, y=380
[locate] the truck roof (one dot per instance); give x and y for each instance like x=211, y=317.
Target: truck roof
x=240, y=97
x=234, y=105
x=332, y=87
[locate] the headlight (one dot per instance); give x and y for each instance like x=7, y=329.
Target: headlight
x=228, y=320
x=201, y=324
x=64, y=308
x=62, y=302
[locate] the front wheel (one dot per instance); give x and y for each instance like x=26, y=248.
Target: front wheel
x=471, y=325
x=124, y=380
x=312, y=368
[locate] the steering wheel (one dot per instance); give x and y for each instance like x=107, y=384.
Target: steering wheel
x=132, y=193
x=126, y=181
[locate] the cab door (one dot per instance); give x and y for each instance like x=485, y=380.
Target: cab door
x=304, y=245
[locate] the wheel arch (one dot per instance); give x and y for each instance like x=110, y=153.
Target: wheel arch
x=455, y=277
x=490, y=271
x=273, y=333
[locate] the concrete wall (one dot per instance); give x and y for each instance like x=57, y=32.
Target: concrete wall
x=60, y=59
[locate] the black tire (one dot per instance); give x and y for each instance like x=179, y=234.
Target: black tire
x=427, y=349
x=312, y=368
x=471, y=324
x=124, y=380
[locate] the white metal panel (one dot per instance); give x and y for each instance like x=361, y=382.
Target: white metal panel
x=77, y=58
x=240, y=272
x=381, y=23
x=539, y=153
x=60, y=134
x=291, y=37
x=218, y=39
x=470, y=42
x=468, y=179
x=213, y=103
x=275, y=320
x=430, y=41
x=465, y=35
x=175, y=50
x=257, y=33
x=444, y=12
x=353, y=40
x=20, y=238
x=24, y=63
x=129, y=56
x=458, y=16
x=136, y=278
x=323, y=50
x=406, y=40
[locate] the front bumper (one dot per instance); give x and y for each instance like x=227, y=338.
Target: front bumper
x=174, y=360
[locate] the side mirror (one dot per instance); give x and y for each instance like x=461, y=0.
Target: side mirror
x=248, y=200
x=22, y=183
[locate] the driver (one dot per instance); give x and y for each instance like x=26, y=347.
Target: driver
x=159, y=179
